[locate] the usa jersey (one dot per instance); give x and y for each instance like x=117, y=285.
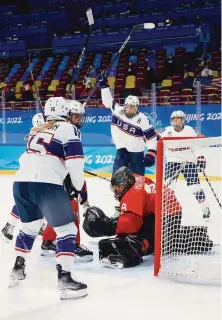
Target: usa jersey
x=130, y=133
x=179, y=154
x=51, y=154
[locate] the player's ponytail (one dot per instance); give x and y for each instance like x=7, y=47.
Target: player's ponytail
x=46, y=125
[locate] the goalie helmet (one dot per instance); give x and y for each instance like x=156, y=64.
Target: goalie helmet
x=178, y=125
x=56, y=109
x=76, y=113
x=131, y=101
x=121, y=181
x=38, y=120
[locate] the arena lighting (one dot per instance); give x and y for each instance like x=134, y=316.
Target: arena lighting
x=149, y=25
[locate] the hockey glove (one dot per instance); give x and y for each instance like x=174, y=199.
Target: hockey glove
x=102, y=79
x=201, y=163
x=150, y=158
x=73, y=193
x=97, y=224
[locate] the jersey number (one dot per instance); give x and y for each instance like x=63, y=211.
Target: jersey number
x=37, y=143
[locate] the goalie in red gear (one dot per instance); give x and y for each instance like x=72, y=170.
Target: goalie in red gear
x=135, y=227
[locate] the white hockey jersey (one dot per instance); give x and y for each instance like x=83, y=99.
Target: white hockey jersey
x=179, y=154
x=51, y=155
x=130, y=133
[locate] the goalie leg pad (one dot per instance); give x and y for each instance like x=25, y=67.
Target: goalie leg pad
x=127, y=250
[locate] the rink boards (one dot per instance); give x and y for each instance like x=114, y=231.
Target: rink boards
x=100, y=160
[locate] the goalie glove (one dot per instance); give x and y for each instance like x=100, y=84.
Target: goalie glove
x=201, y=163
x=97, y=224
x=150, y=158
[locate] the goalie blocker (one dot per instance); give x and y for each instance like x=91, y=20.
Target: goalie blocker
x=134, y=228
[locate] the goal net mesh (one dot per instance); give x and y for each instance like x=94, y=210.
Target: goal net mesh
x=188, y=211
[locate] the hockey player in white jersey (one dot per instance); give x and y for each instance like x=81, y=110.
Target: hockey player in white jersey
x=8, y=230
x=131, y=132
x=53, y=151
x=184, y=161
x=82, y=253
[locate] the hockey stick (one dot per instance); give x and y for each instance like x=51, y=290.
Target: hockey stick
x=148, y=26
x=36, y=88
x=210, y=185
x=89, y=15
x=96, y=175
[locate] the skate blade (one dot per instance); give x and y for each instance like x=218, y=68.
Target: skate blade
x=83, y=259
x=4, y=238
x=68, y=294
x=47, y=253
x=106, y=263
x=13, y=283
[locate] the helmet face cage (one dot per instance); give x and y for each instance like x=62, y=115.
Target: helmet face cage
x=177, y=114
x=121, y=178
x=79, y=121
x=131, y=101
x=76, y=109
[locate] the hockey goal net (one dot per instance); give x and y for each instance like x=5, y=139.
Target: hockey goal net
x=188, y=210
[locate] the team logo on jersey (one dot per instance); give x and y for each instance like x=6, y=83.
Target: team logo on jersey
x=169, y=133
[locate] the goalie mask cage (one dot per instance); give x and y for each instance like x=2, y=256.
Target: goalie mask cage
x=188, y=245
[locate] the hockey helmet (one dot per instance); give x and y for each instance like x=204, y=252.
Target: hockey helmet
x=56, y=109
x=177, y=114
x=131, y=101
x=38, y=120
x=76, y=113
x=121, y=181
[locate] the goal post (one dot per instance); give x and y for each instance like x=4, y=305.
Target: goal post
x=188, y=210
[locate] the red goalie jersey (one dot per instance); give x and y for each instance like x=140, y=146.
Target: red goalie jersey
x=139, y=201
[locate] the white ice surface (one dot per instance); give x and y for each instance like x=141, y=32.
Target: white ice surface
x=131, y=294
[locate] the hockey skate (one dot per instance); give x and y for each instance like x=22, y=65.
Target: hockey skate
x=68, y=287
x=7, y=231
x=83, y=254
x=48, y=248
x=18, y=272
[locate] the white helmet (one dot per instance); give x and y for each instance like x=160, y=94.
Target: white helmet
x=178, y=114
x=38, y=120
x=56, y=109
x=76, y=108
x=133, y=101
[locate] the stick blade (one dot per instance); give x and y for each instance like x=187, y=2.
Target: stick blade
x=90, y=16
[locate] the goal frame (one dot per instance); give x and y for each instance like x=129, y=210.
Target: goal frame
x=159, y=194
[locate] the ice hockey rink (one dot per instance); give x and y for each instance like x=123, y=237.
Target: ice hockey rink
x=113, y=294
